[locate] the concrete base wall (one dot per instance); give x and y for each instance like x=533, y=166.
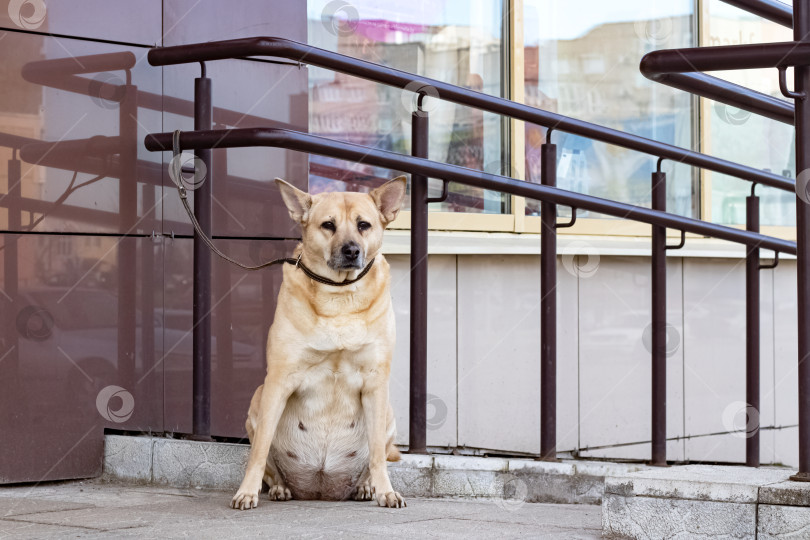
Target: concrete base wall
x=512, y=482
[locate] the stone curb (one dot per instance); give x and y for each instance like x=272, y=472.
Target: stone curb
x=192, y=464
x=706, y=501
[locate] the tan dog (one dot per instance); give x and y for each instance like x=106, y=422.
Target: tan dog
x=321, y=426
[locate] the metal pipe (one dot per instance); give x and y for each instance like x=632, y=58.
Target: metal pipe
x=771, y=10
x=313, y=144
x=548, y=308
x=801, y=32
x=285, y=48
x=659, y=325
x=726, y=57
x=752, y=335
x=417, y=429
x=202, y=270
x=728, y=93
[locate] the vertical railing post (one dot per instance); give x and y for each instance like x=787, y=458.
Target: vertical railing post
x=417, y=429
x=801, y=32
x=548, y=305
x=659, y=323
x=752, y=334
x=202, y=268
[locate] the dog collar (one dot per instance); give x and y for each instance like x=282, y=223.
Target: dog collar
x=326, y=281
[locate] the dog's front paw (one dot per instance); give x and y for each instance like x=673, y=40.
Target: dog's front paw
x=279, y=493
x=392, y=499
x=363, y=492
x=244, y=500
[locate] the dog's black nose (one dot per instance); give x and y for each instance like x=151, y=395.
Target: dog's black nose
x=350, y=251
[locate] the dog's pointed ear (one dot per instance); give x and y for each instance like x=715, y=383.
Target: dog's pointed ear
x=389, y=197
x=298, y=202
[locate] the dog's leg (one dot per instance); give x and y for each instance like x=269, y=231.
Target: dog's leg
x=363, y=490
x=273, y=479
x=278, y=489
x=271, y=404
x=376, y=410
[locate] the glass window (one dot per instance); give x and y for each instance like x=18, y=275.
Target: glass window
x=581, y=59
x=455, y=41
x=744, y=137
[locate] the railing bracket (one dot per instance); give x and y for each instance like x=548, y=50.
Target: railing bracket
x=570, y=223
x=773, y=264
x=680, y=244
x=783, y=85
x=443, y=196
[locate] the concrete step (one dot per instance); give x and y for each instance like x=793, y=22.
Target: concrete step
x=511, y=482
x=700, y=501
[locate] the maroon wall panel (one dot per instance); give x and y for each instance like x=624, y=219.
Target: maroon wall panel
x=113, y=20
x=193, y=21
x=243, y=307
x=95, y=310
x=79, y=128
x=246, y=94
x=82, y=338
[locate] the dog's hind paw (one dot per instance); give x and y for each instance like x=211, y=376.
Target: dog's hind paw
x=392, y=499
x=279, y=493
x=363, y=492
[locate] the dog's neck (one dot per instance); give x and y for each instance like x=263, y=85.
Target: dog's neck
x=319, y=266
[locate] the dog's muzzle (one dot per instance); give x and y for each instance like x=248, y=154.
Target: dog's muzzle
x=350, y=256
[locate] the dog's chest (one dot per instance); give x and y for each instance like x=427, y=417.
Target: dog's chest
x=341, y=333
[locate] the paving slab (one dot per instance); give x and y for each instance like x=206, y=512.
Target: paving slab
x=101, y=509
x=654, y=517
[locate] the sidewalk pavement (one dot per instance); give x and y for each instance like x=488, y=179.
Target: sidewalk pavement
x=94, y=509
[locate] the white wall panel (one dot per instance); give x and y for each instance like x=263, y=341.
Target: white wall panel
x=499, y=353
x=785, y=392
x=441, y=386
x=615, y=372
x=714, y=342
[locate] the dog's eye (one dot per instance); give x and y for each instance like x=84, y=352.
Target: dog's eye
x=328, y=225
x=363, y=226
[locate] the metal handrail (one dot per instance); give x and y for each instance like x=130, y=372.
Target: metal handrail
x=726, y=92
x=772, y=10
x=679, y=68
x=314, y=144
x=307, y=54
x=726, y=57
x=203, y=138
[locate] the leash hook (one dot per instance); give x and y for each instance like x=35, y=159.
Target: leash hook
x=176, y=167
